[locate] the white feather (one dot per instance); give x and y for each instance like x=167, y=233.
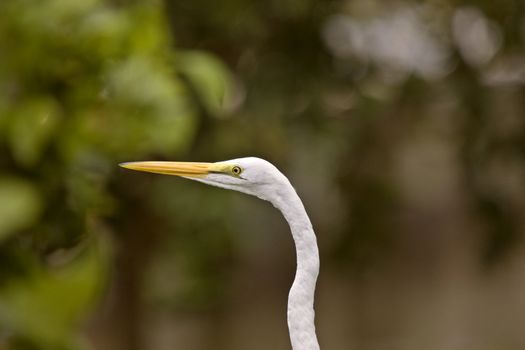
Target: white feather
x=262, y=179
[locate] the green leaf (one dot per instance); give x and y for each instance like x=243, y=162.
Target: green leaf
x=156, y=111
x=31, y=129
x=20, y=206
x=47, y=306
x=209, y=76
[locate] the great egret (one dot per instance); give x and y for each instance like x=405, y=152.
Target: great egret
x=260, y=178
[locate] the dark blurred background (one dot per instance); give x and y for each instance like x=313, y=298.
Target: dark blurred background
x=400, y=123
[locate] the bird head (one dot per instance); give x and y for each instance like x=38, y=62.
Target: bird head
x=251, y=175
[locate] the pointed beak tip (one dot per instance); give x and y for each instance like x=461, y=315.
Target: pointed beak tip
x=138, y=166
x=124, y=165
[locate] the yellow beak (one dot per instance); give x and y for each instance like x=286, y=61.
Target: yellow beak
x=188, y=169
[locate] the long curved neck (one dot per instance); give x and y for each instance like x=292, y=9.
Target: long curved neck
x=301, y=298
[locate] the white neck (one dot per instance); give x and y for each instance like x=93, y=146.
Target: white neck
x=301, y=298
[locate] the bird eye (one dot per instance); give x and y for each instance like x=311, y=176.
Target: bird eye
x=237, y=170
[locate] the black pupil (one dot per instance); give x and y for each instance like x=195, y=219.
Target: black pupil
x=236, y=170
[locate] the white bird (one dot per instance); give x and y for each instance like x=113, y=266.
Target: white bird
x=260, y=178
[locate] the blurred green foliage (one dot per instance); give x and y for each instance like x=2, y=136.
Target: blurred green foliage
x=83, y=85
x=21, y=210
x=400, y=123
x=42, y=309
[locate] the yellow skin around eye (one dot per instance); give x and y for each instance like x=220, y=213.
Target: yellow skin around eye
x=236, y=170
x=233, y=170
